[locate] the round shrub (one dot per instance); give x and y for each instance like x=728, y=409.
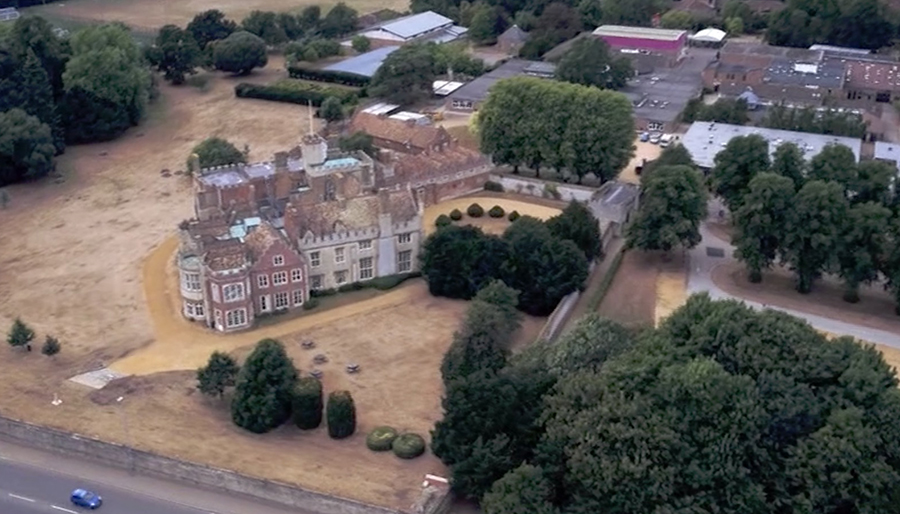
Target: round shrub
x=475, y=211
x=381, y=439
x=455, y=215
x=408, y=446
x=442, y=221
x=496, y=212
x=513, y=216
x=341, y=414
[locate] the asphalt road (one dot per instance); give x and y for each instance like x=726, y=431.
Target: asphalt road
x=35, y=482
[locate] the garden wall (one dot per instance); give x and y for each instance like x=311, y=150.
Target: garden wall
x=560, y=315
x=151, y=464
x=544, y=189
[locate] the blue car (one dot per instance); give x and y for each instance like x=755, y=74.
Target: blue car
x=86, y=499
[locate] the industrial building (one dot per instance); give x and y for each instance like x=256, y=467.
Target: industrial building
x=648, y=48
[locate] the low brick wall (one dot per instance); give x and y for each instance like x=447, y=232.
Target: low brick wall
x=150, y=464
x=542, y=188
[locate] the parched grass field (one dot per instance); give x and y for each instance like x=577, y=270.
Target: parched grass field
x=86, y=257
x=149, y=15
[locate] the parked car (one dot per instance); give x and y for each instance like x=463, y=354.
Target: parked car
x=86, y=499
x=666, y=140
x=654, y=138
x=645, y=136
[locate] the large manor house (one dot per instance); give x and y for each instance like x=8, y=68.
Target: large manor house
x=265, y=234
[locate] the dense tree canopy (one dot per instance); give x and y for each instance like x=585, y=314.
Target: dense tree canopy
x=406, y=75
x=26, y=147
x=265, y=388
x=577, y=224
x=736, y=165
x=340, y=20
x=590, y=63
x=532, y=122
x=220, y=372
x=215, y=151
x=175, y=53
x=724, y=110
x=673, y=203
x=850, y=23
x=761, y=222
x=810, y=119
x=239, y=53
x=210, y=26
x=457, y=261
x=721, y=409
x=265, y=25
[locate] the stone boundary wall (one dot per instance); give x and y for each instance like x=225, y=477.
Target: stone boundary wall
x=146, y=463
x=557, y=319
x=543, y=189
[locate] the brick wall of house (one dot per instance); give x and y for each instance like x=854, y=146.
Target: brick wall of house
x=218, y=310
x=263, y=276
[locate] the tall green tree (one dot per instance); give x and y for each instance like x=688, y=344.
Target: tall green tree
x=590, y=63
x=457, y=261
x=26, y=147
x=220, y=372
x=761, y=222
x=265, y=25
x=588, y=345
x=308, y=402
x=874, y=182
x=209, y=26
x=812, y=237
x=265, y=387
x=486, y=25
x=36, y=34
x=177, y=54
x=835, y=162
x=863, y=246
x=673, y=204
x=672, y=155
x=737, y=164
x=789, y=162
x=332, y=109
x=524, y=490
x=239, y=53
x=310, y=18
x=540, y=266
x=340, y=21
x=37, y=97
x=577, y=223
x=406, y=75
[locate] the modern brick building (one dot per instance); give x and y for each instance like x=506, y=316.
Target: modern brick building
x=267, y=233
x=648, y=48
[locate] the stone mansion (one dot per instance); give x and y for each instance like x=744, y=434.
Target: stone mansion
x=265, y=234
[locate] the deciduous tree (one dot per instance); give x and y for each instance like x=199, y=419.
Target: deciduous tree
x=239, y=53
x=524, y=490
x=577, y=223
x=215, y=151
x=813, y=233
x=673, y=204
x=486, y=25
x=361, y=44
x=340, y=20
x=863, y=245
x=835, y=162
x=220, y=372
x=265, y=25
x=177, y=53
x=874, y=181
x=736, y=165
x=209, y=26
x=26, y=147
x=590, y=63
x=588, y=345
x=789, y=162
x=406, y=75
x=332, y=109
x=457, y=261
x=265, y=388
x=761, y=222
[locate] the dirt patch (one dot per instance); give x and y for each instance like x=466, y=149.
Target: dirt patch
x=491, y=225
x=150, y=15
x=644, y=150
x=875, y=310
x=631, y=299
x=671, y=284
x=462, y=134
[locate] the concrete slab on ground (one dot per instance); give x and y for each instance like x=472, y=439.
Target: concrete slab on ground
x=97, y=379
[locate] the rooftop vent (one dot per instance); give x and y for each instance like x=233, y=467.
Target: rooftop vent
x=802, y=67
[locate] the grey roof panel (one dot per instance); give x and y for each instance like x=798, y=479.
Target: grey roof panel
x=412, y=26
x=364, y=64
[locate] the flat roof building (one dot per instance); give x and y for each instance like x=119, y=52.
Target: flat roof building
x=888, y=152
x=424, y=26
x=666, y=47
x=704, y=140
x=471, y=95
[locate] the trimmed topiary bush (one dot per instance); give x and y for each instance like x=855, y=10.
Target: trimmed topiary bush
x=408, y=446
x=490, y=185
x=442, y=221
x=455, y=215
x=496, y=212
x=475, y=211
x=381, y=439
x=513, y=216
x=341, y=415
x=307, y=405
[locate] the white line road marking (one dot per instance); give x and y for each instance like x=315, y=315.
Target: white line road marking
x=16, y=496
x=64, y=509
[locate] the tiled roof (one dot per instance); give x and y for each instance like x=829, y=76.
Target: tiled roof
x=225, y=255
x=353, y=214
x=413, y=168
x=400, y=132
x=260, y=239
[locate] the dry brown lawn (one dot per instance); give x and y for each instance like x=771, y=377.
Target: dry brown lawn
x=152, y=14
x=631, y=299
x=509, y=202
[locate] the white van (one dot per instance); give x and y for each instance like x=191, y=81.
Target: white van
x=666, y=140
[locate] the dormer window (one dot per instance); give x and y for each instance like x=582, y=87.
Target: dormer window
x=278, y=260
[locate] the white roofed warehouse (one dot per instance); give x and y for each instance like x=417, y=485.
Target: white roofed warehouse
x=424, y=27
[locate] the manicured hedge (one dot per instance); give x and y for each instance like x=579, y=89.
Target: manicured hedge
x=455, y=215
x=493, y=186
x=475, y=211
x=513, y=216
x=295, y=92
x=496, y=212
x=336, y=77
x=381, y=439
x=442, y=221
x=307, y=406
x=380, y=283
x=341, y=414
x=409, y=446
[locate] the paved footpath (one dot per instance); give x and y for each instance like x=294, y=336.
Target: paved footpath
x=700, y=280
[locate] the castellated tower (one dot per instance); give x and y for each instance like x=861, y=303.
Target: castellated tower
x=314, y=150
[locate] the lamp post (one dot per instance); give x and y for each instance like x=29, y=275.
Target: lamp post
x=125, y=431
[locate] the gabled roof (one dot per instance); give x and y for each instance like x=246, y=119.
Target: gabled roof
x=260, y=239
x=358, y=213
x=399, y=132
x=417, y=24
x=513, y=34
x=225, y=255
